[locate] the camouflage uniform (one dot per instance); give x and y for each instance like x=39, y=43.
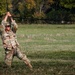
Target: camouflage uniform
x=11, y=45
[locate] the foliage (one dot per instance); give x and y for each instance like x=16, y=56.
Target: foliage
x=2, y=7
x=30, y=4
x=38, y=15
x=68, y=3
x=59, y=15
x=40, y=9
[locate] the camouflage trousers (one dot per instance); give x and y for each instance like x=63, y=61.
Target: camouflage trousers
x=9, y=55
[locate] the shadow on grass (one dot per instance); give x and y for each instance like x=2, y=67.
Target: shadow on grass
x=39, y=68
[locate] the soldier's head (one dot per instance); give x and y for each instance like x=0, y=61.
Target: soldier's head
x=7, y=27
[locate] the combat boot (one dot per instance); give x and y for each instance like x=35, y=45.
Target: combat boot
x=8, y=63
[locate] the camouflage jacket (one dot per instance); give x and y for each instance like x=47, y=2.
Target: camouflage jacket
x=14, y=26
x=9, y=38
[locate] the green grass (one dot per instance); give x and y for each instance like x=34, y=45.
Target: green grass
x=51, y=49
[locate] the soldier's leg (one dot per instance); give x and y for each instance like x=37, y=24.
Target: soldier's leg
x=8, y=58
x=23, y=57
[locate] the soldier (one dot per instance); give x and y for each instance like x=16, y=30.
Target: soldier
x=10, y=43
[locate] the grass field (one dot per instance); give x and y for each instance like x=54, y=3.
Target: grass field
x=50, y=48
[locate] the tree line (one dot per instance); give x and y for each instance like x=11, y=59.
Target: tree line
x=40, y=11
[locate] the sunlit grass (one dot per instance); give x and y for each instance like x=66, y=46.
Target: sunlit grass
x=50, y=48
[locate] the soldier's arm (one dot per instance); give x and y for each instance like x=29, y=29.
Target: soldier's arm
x=4, y=21
x=6, y=16
x=1, y=30
x=4, y=44
x=17, y=42
x=13, y=23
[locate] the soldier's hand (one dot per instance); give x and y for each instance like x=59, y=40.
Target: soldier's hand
x=8, y=13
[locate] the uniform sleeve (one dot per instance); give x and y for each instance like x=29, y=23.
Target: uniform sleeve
x=0, y=31
x=14, y=26
x=3, y=23
x=2, y=27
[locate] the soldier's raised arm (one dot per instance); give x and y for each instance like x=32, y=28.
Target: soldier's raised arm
x=14, y=25
x=3, y=23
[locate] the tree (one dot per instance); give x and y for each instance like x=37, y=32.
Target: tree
x=30, y=4
x=68, y=3
x=2, y=7
x=20, y=6
x=41, y=8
